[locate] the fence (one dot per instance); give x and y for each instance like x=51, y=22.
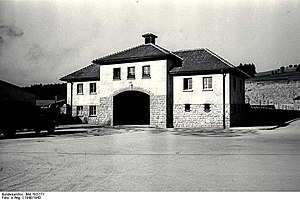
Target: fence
x=264, y=116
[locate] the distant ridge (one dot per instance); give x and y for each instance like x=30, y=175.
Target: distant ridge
x=290, y=73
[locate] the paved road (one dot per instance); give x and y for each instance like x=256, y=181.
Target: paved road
x=145, y=159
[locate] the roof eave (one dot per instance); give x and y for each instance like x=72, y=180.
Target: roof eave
x=200, y=72
x=80, y=79
x=126, y=60
x=205, y=72
x=131, y=60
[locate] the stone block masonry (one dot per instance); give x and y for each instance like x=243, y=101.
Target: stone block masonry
x=277, y=93
x=198, y=117
x=157, y=111
x=158, y=114
x=85, y=118
x=105, y=113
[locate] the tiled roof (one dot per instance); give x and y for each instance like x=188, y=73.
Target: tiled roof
x=48, y=102
x=91, y=72
x=199, y=61
x=139, y=53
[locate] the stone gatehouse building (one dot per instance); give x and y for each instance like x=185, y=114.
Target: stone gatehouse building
x=148, y=84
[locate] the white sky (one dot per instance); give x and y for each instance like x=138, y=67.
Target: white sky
x=63, y=36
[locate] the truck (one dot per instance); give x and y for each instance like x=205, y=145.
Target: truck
x=18, y=111
x=21, y=116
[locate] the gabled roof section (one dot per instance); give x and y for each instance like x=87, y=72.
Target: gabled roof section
x=89, y=73
x=142, y=52
x=203, y=61
x=297, y=98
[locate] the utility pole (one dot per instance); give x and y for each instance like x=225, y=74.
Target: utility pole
x=224, y=89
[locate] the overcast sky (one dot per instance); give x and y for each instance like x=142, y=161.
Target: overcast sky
x=42, y=41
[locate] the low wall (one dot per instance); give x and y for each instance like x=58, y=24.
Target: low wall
x=277, y=93
x=269, y=117
x=198, y=117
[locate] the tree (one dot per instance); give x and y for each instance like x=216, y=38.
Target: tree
x=249, y=69
x=48, y=91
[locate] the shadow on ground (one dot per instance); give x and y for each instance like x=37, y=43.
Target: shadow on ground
x=66, y=133
x=197, y=132
x=269, y=117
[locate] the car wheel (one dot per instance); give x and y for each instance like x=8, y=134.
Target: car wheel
x=9, y=133
x=37, y=130
x=51, y=128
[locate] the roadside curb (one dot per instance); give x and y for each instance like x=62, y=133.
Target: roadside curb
x=265, y=127
x=77, y=126
x=255, y=128
x=80, y=126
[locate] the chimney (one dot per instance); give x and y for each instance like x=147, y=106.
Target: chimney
x=149, y=38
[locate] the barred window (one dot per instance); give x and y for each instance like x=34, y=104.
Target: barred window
x=92, y=111
x=146, y=71
x=207, y=83
x=131, y=73
x=187, y=107
x=79, y=88
x=187, y=84
x=117, y=74
x=79, y=110
x=207, y=107
x=92, y=88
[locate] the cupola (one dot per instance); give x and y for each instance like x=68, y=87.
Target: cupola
x=149, y=38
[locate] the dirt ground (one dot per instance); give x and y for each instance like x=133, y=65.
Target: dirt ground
x=152, y=159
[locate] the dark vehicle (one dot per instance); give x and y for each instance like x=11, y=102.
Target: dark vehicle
x=21, y=116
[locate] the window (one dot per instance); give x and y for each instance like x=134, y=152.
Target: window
x=117, y=74
x=93, y=88
x=131, y=73
x=146, y=71
x=206, y=107
x=79, y=110
x=92, y=111
x=207, y=83
x=80, y=88
x=241, y=86
x=234, y=83
x=187, y=107
x=187, y=84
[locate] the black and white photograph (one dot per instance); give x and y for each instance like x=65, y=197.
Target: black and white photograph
x=151, y=96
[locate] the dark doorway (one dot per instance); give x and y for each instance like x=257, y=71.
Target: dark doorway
x=131, y=108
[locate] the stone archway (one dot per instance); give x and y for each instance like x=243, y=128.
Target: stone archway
x=131, y=108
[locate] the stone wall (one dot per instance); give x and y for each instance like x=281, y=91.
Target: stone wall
x=158, y=114
x=105, y=113
x=85, y=118
x=197, y=117
x=277, y=93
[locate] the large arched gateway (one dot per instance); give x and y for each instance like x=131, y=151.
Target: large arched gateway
x=131, y=108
